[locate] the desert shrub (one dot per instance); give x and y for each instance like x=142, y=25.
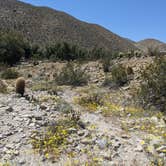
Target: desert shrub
x=153, y=51
x=72, y=74
x=129, y=70
x=9, y=74
x=130, y=73
x=92, y=100
x=119, y=75
x=107, y=81
x=3, y=86
x=63, y=107
x=153, y=86
x=106, y=63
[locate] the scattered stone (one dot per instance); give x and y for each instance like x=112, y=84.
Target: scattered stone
x=9, y=109
x=107, y=155
x=72, y=130
x=116, y=145
x=32, y=125
x=80, y=132
x=22, y=161
x=38, y=117
x=126, y=136
x=10, y=146
x=161, y=149
x=16, y=152
x=43, y=106
x=102, y=143
x=154, y=119
x=115, y=155
x=86, y=141
x=1, y=136
x=139, y=148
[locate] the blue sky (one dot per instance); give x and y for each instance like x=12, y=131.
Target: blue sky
x=133, y=19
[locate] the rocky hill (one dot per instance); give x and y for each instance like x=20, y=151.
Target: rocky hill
x=43, y=25
x=149, y=43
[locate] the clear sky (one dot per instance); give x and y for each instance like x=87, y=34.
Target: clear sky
x=133, y=19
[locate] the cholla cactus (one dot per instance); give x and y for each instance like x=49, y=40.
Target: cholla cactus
x=20, y=85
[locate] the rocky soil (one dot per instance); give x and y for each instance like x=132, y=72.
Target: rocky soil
x=100, y=140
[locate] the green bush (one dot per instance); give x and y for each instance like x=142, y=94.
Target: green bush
x=119, y=75
x=10, y=74
x=153, y=86
x=72, y=74
x=13, y=48
x=64, y=51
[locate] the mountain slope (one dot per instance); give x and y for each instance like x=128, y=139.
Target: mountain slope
x=43, y=25
x=148, y=43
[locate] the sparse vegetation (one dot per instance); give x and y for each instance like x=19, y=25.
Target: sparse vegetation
x=72, y=74
x=92, y=100
x=63, y=107
x=51, y=87
x=53, y=142
x=10, y=74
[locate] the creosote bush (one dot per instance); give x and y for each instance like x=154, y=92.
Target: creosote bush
x=153, y=86
x=106, y=64
x=72, y=74
x=92, y=100
x=119, y=75
x=153, y=51
x=10, y=74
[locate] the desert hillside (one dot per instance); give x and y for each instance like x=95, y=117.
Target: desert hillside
x=44, y=25
x=151, y=43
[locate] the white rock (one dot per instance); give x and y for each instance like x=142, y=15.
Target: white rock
x=102, y=143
